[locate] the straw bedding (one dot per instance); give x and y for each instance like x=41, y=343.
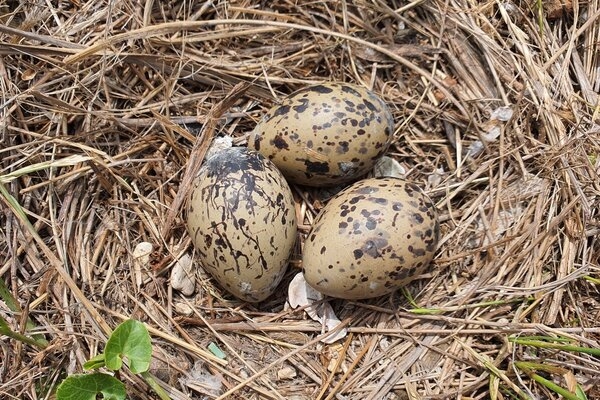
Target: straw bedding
x=108, y=108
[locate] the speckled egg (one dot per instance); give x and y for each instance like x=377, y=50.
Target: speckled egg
x=242, y=221
x=325, y=134
x=370, y=239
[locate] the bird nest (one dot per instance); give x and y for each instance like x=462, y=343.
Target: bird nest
x=108, y=108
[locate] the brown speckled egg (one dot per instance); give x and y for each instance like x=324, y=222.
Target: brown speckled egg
x=370, y=239
x=325, y=134
x=242, y=221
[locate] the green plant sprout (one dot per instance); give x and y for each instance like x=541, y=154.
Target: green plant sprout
x=36, y=340
x=545, y=342
x=437, y=311
x=129, y=344
x=540, y=15
x=595, y=281
x=531, y=369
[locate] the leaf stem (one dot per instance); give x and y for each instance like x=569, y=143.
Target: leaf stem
x=5, y=330
x=151, y=381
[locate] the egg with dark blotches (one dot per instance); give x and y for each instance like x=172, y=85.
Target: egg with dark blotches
x=242, y=221
x=372, y=238
x=325, y=134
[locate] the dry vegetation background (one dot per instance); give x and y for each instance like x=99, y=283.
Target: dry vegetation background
x=104, y=103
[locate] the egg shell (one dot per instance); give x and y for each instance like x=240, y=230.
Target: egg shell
x=325, y=134
x=370, y=239
x=242, y=221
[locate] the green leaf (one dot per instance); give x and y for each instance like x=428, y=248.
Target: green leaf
x=426, y=311
x=36, y=339
x=8, y=298
x=94, y=362
x=595, y=281
x=531, y=368
x=580, y=393
x=549, y=343
x=65, y=162
x=5, y=330
x=4, y=326
x=554, y=387
x=88, y=387
x=130, y=340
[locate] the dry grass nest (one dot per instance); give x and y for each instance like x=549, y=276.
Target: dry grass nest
x=106, y=106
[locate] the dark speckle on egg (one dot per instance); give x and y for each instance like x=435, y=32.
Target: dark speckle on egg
x=323, y=89
x=280, y=143
x=315, y=167
x=282, y=110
